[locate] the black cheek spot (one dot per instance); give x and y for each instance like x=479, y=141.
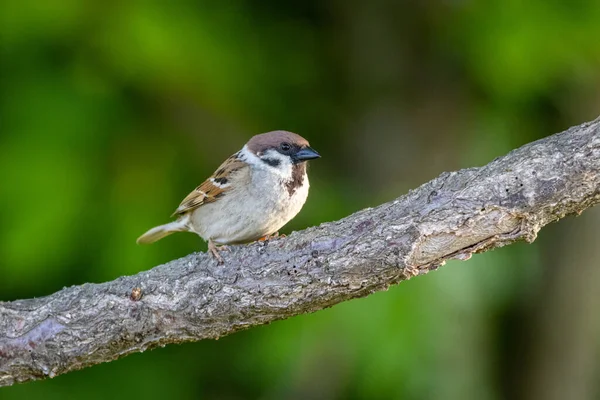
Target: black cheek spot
x=221, y=181
x=273, y=162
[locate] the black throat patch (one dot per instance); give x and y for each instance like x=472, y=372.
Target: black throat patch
x=297, y=180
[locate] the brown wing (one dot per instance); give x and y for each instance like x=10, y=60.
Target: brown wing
x=214, y=187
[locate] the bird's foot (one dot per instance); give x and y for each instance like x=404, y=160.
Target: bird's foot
x=214, y=250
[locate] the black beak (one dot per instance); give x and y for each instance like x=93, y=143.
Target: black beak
x=306, y=154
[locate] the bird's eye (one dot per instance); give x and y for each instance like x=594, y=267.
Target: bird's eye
x=285, y=146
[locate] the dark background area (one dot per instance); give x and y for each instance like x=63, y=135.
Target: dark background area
x=111, y=112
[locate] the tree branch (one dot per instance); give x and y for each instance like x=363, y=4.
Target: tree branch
x=193, y=298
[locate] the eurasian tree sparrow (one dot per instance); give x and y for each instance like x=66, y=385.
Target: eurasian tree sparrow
x=252, y=194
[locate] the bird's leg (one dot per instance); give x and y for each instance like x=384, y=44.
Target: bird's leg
x=214, y=250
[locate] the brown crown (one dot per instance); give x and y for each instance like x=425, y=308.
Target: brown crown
x=264, y=141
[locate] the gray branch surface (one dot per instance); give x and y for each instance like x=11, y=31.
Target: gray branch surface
x=193, y=298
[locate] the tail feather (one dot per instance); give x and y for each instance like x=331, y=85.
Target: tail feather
x=159, y=232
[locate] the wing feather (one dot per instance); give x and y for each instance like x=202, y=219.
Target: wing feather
x=214, y=187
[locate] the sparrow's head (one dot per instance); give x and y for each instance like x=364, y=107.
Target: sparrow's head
x=281, y=148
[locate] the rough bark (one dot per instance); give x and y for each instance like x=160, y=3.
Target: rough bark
x=193, y=298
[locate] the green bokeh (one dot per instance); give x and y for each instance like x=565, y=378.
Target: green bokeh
x=110, y=113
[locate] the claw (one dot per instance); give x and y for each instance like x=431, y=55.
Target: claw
x=214, y=250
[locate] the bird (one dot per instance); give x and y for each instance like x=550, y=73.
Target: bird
x=253, y=194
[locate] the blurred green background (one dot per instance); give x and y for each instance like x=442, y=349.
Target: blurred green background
x=111, y=112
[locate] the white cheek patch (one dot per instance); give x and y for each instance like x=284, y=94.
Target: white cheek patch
x=273, y=157
x=283, y=169
x=279, y=163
